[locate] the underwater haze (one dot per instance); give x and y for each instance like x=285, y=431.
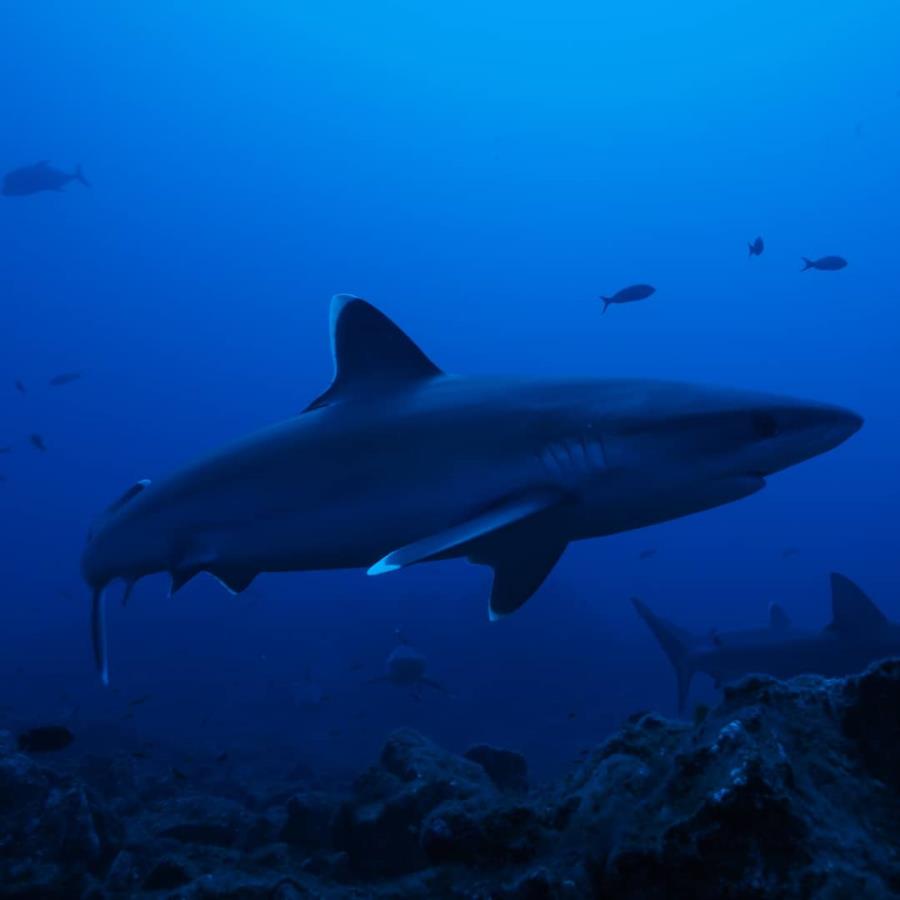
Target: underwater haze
x=483, y=174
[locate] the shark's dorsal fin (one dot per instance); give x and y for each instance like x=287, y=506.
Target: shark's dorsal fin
x=137, y=488
x=778, y=618
x=851, y=609
x=371, y=354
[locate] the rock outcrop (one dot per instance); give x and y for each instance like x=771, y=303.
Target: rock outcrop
x=783, y=790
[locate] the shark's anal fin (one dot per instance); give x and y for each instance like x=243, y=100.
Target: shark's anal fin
x=778, y=618
x=98, y=634
x=371, y=354
x=852, y=611
x=501, y=515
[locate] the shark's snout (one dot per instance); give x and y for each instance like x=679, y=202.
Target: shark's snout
x=845, y=423
x=803, y=431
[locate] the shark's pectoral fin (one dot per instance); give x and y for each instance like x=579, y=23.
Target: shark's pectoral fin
x=507, y=512
x=520, y=568
x=371, y=354
x=234, y=580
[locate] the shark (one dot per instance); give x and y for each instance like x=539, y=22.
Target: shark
x=859, y=634
x=406, y=667
x=399, y=463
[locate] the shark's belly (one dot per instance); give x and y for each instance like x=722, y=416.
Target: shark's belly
x=347, y=507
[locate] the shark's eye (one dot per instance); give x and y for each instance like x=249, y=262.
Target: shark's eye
x=765, y=425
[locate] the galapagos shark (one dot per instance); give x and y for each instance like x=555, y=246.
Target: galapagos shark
x=859, y=634
x=398, y=463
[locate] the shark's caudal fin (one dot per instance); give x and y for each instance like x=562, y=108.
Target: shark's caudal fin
x=778, y=618
x=78, y=175
x=807, y=264
x=98, y=634
x=852, y=611
x=677, y=644
x=371, y=354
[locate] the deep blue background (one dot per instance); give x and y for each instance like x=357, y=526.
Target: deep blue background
x=482, y=175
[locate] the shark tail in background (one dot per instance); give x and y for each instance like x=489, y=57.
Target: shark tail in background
x=78, y=175
x=677, y=644
x=606, y=302
x=807, y=264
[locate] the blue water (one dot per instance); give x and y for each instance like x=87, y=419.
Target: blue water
x=482, y=175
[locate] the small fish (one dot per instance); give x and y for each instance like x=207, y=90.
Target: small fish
x=20, y=386
x=649, y=553
x=572, y=715
x=825, y=264
x=64, y=378
x=2, y=478
x=757, y=247
x=140, y=754
x=38, y=443
x=629, y=295
x=178, y=775
x=788, y=552
x=139, y=700
x=222, y=757
x=6, y=449
x=45, y=739
x=39, y=177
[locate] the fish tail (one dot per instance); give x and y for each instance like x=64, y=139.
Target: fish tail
x=606, y=302
x=98, y=634
x=750, y=246
x=79, y=176
x=677, y=646
x=808, y=264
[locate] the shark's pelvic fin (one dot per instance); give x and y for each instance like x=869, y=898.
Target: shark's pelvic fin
x=98, y=633
x=778, y=618
x=180, y=577
x=518, y=573
x=499, y=516
x=677, y=644
x=234, y=580
x=851, y=609
x=371, y=354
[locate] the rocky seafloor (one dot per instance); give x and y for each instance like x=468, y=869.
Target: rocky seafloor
x=784, y=790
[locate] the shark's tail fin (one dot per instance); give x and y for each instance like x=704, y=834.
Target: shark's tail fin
x=676, y=643
x=807, y=264
x=606, y=302
x=78, y=175
x=98, y=634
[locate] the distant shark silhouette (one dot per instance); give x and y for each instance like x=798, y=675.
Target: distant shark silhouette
x=398, y=463
x=406, y=667
x=858, y=635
